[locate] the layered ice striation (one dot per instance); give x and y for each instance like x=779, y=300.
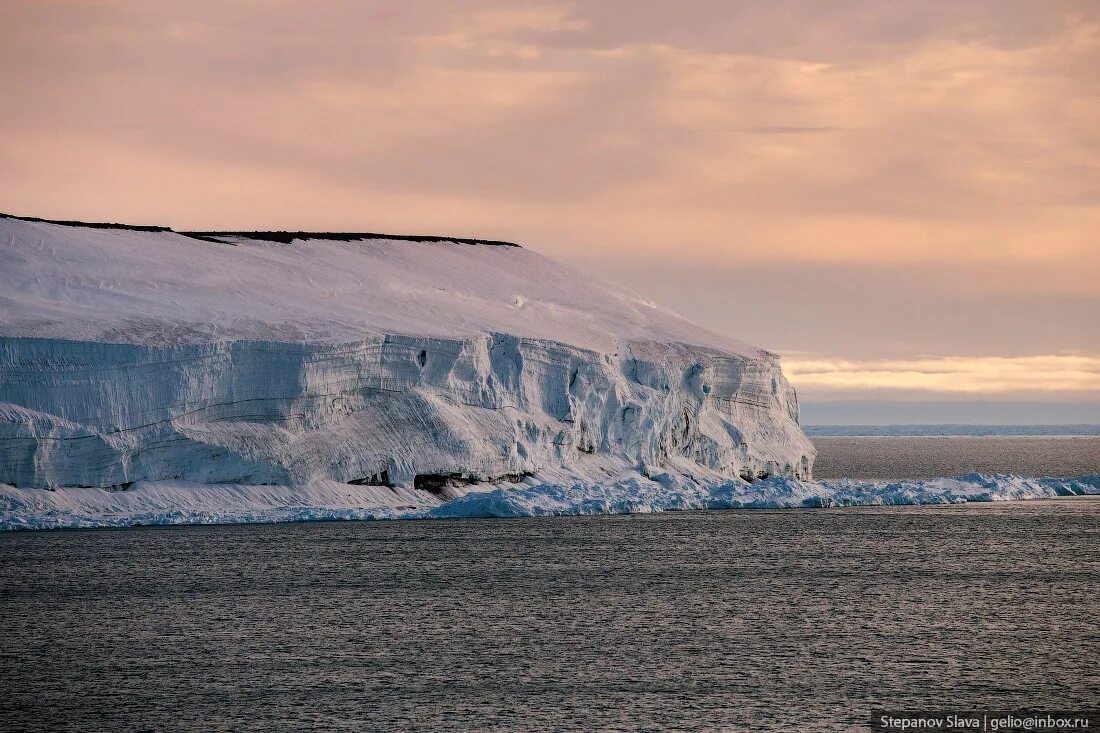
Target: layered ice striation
x=416, y=368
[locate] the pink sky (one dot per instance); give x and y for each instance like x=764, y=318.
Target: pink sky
x=903, y=198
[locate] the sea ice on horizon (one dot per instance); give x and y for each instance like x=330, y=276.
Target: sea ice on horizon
x=175, y=502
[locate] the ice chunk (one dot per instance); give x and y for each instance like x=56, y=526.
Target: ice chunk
x=182, y=503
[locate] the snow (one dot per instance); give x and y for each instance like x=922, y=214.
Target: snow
x=150, y=503
x=164, y=288
x=150, y=356
x=180, y=502
x=637, y=495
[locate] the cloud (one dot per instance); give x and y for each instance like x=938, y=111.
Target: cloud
x=875, y=309
x=1050, y=375
x=856, y=177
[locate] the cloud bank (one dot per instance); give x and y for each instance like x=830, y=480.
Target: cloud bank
x=1055, y=376
x=858, y=179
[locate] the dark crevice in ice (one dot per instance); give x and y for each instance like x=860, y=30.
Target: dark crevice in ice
x=441, y=484
x=376, y=479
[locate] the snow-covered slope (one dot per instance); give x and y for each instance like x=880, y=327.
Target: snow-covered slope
x=130, y=356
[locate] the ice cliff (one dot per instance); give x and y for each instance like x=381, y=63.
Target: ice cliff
x=420, y=366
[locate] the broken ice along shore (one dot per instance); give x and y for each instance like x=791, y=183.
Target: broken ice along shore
x=149, y=375
x=177, y=502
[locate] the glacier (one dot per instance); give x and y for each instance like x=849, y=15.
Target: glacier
x=423, y=364
x=149, y=376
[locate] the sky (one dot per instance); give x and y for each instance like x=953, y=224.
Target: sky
x=900, y=198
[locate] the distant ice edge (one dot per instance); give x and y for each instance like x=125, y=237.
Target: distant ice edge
x=175, y=502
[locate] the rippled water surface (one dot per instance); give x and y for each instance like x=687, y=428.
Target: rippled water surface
x=894, y=457
x=757, y=620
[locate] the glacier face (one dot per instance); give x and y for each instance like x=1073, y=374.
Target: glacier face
x=150, y=356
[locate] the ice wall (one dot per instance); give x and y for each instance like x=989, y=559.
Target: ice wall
x=149, y=356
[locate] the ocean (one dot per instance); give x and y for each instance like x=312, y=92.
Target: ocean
x=934, y=456
x=803, y=620
x=793, y=620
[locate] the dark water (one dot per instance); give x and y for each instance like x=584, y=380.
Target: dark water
x=953, y=429
x=931, y=457
x=787, y=620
